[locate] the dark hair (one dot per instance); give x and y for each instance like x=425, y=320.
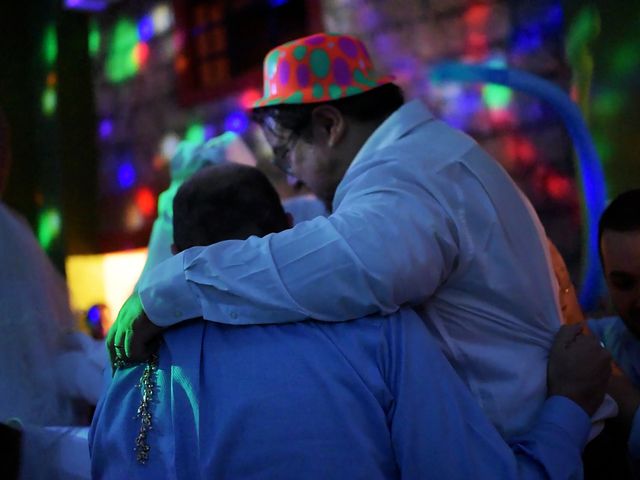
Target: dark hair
x=622, y=214
x=373, y=105
x=225, y=202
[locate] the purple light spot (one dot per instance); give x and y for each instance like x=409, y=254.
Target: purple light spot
x=348, y=47
x=210, y=131
x=315, y=40
x=302, y=72
x=284, y=71
x=106, y=128
x=341, y=72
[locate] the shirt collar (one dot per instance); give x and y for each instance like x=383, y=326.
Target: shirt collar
x=400, y=122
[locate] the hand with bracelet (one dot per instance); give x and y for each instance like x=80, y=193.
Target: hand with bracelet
x=133, y=337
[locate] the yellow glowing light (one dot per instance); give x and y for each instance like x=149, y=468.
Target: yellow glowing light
x=107, y=278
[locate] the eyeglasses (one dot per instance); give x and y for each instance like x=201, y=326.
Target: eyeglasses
x=281, y=153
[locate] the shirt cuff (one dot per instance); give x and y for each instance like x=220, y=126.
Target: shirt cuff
x=634, y=436
x=569, y=416
x=166, y=295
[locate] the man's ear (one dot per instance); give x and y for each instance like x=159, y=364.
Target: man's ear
x=174, y=249
x=289, y=219
x=328, y=125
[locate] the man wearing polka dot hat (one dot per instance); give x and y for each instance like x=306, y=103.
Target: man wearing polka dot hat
x=422, y=216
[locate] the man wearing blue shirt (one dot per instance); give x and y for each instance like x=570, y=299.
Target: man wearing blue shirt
x=374, y=398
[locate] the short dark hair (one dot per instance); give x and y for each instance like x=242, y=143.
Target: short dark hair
x=373, y=105
x=225, y=202
x=622, y=214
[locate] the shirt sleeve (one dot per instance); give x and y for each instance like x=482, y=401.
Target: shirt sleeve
x=439, y=431
x=388, y=243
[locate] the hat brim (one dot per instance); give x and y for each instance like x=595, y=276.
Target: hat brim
x=320, y=94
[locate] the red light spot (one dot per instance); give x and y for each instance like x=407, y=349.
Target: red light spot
x=477, y=46
x=558, y=187
x=141, y=53
x=249, y=97
x=477, y=15
x=501, y=117
x=526, y=151
x=181, y=63
x=52, y=79
x=146, y=201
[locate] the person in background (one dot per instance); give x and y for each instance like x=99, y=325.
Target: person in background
x=619, y=241
x=371, y=398
x=187, y=160
x=98, y=319
x=619, y=238
x=38, y=386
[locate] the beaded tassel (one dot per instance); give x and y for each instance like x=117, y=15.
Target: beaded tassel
x=148, y=387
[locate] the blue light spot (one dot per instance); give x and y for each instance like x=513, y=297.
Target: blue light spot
x=527, y=39
x=145, y=28
x=93, y=314
x=126, y=175
x=554, y=17
x=277, y=3
x=236, y=121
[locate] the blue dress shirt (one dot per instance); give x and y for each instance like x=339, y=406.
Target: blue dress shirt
x=370, y=399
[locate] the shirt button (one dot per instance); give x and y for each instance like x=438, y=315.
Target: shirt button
x=177, y=313
x=233, y=315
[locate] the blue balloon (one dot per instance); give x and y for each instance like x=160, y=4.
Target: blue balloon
x=590, y=171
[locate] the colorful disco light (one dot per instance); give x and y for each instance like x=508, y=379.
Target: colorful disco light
x=195, y=133
x=126, y=175
x=237, y=121
x=145, y=28
x=121, y=62
x=94, y=38
x=49, y=101
x=50, y=45
x=145, y=201
x=49, y=227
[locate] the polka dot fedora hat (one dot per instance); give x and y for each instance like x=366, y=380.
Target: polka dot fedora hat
x=318, y=68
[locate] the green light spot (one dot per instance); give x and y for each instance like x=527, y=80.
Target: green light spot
x=195, y=133
x=49, y=101
x=608, y=103
x=604, y=148
x=94, y=38
x=121, y=60
x=49, y=226
x=50, y=45
x=299, y=52
x=496, y=97
x=320, y=63
x=625, y=59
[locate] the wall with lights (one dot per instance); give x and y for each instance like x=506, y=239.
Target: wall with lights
x=137, y=59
